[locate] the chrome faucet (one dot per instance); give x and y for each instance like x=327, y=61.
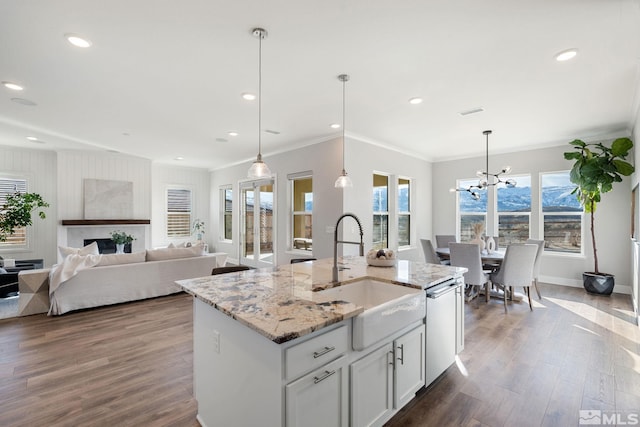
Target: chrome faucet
x=336, y=241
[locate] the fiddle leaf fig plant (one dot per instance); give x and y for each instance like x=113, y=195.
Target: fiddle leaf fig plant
x=594, y=171
x=16, y=212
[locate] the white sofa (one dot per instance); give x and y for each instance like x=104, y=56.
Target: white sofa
x=113, y=284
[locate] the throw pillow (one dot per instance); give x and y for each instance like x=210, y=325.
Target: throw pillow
x=115, y=259
x=90, y=249
x=173, y=253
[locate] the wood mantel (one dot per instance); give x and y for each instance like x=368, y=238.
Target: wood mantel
x=90, y=222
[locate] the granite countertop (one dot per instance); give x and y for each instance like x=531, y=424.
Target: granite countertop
x=278, y=302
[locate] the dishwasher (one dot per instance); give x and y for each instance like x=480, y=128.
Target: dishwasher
x=440, y=342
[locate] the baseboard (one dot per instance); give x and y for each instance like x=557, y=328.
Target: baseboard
x=563, y=281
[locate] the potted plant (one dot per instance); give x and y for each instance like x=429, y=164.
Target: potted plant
x=595, y=170
x=120, y=238
x=16, y=212
x=198, y=228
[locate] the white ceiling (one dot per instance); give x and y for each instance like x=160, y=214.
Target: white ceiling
x=164, y=78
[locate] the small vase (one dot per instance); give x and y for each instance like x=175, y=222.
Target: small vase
x=479, y=240
x=491, y=245
x=119, y=248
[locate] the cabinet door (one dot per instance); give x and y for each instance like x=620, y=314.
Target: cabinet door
x=459, y=319
x=409, y=366
x=320, y=398
x=372, y=388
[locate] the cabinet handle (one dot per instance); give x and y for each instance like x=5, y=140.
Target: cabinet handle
x=322, y=352
x=326, y=375
x=401, y=358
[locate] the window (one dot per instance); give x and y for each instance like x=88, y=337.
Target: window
x=226, y=213
x=561, y=213
x=404, y=212
x=178, y=212
x=380, y=211
x=11, y=186
x=470, y=211
x=514, y=211
x=302, y=213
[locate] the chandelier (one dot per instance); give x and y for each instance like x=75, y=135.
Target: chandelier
x=488, y=179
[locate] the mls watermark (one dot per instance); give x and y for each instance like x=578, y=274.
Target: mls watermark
x=596, y=417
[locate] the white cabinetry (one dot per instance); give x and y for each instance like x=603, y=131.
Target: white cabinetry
x=387, y=378
x=320, y=398
x=409, y=365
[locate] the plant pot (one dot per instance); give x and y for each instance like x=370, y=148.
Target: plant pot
x=119, y=248
x=598, y=284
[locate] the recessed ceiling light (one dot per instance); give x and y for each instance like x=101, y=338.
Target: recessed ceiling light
x=12, y=86
x=565, y=55
x=249, y=96
x=415, y=101
x=32, y=138
x=232, y=133
x=77, y=40
x=24, y=102
x=335, y=126
x=179, y=158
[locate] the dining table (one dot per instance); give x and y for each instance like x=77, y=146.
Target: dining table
x=490, y=261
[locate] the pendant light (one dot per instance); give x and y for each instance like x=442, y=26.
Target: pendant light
x=259, y=169
x=343, y=180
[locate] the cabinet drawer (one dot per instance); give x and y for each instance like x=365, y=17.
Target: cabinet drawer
x=315, y=352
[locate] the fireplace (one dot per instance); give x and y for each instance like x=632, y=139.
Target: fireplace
x=107, y=246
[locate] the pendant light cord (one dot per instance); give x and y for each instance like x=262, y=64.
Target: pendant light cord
x=344, y=82
x=260, y=36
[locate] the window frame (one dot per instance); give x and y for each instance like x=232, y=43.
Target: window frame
x=222, y=237
x=385, y=213
x=22, y=245
x=541, y=221
x=498, y=213
x=167, y=213
x=400, y=213
x=463, y=183
x=291, y=244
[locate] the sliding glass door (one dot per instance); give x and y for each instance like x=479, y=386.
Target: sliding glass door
x=257, y=223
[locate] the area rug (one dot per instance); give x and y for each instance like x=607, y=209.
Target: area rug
x=8, y=307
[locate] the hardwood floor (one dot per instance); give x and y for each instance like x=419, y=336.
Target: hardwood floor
x=131, y=365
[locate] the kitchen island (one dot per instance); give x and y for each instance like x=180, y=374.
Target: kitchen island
x=268, y=351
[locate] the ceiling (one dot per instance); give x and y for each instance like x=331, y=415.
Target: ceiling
x=164, y=78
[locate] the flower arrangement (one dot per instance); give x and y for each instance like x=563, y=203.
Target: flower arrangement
x=121, y=238
x=478, y=229
x=198, y=226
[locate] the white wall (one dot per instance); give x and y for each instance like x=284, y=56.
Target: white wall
x=321, y=160
x=612, y=217
x=324, y=160
x=362, y=160
x=75, y=166
x=39, y=167
x=195, y=179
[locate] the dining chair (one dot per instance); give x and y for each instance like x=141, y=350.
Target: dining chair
x=430, y=255
x=516, y=270
x=536, y=267
x=443, y=240
x=467, y=255
x=229, y=269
